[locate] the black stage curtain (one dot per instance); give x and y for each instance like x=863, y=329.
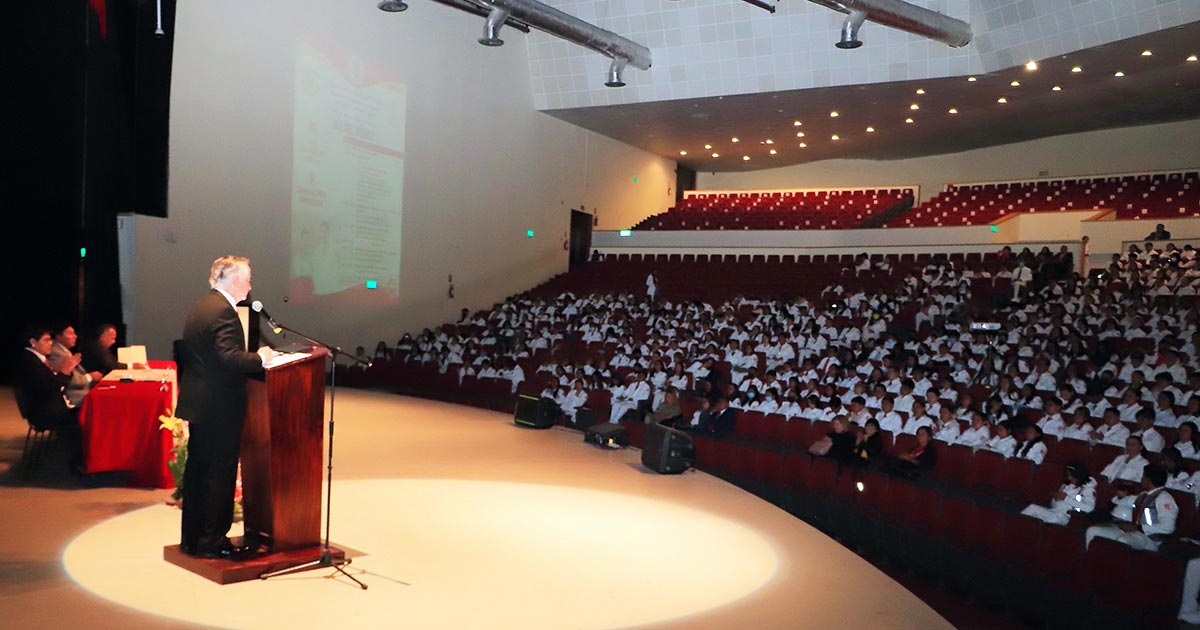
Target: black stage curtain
x=89, y=141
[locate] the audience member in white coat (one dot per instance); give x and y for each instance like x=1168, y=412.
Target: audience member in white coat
x=571, y=401
x=1079, y=429
x=1152, y=440
x=1128, y=465
x=1052, y=423
x=1112, y=432
x=978, y=434
x=1077, y=494
x=1003, y=442
x=1154, y=515
x=1033, y=448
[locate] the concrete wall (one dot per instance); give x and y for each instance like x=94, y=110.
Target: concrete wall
x=482, y=166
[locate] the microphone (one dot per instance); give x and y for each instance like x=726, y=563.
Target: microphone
x=257, y=306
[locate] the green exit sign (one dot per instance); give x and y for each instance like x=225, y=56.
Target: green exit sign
x=372, y=284
x=995, y=228
x=625, y=233
x=529, y=233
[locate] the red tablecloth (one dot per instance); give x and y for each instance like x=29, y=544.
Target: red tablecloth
x=121, y=431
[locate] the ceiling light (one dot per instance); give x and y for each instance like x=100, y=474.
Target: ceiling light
x=803, y=145
x=971, y=79
x=1192, y=57
x=799, y=134
x=733, y=139
x=1001, y=100
x=745, y=158
x=773, y=152
x=1031, y=66
x=1056, y=88
x=683, y=153
x=1119, y=74
x=833, y=114
x=870, y=130
x=909, y=121
x=914, y=107
x=716, y=155
x=796, y=123
x=920, y=90
x=708, y=146
x=391, y=6
x=834, y=137
x=1015, y=84
x=770, y=141
x=1146, y=53
x=1077, y=69
x=953, y=110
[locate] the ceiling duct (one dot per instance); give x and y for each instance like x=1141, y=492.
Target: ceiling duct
x=550, y=20
x=900, y=15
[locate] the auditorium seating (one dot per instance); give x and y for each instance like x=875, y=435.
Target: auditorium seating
x=809, y=210
x=1146, y=196
x=717, y=277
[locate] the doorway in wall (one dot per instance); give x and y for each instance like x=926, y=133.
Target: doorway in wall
x=581, y=238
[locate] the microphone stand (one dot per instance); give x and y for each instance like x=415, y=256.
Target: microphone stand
x=326, y=560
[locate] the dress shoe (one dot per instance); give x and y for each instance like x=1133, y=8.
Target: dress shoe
x=225, y=550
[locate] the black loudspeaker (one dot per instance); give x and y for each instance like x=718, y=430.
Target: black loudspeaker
x=667, y=451
x=535, y=413
x=584, y=418
x=607, y=434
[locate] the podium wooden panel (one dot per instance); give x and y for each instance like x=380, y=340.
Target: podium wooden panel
x=282, y=455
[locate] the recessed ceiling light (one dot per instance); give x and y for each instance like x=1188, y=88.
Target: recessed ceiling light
x=1077, y=69
x=803, y=145
x=1119, y=74
x=799, y=134
x=833, y=114
x=716, y=155
x=870, y=130
x=1031, y=66
x=708, y=146
x=733, y=139
x=920, y=90
x=773, y=152
x=909, y=121
x=745, y=158
x=1001, y=100
x=683, y=153
x=770, y=141
x=796, y=123
x=971, y=79
x=1192, y=58
x=1015, y=84
x=1056, y=88
x=834, y=137
x=1146, y=53
x=953, y=110
x=914, y=107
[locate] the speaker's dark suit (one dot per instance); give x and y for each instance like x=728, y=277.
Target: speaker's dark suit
x=213, y=363
x=97, y=358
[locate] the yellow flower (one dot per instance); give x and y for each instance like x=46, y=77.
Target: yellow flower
x=169, y=423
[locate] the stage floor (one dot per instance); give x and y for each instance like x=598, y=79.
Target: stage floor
x=455, y=518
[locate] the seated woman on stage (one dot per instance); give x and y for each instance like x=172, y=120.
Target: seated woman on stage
x=1077, y=494
x=919, y=458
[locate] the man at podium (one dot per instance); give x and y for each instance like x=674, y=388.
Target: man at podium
x=213, y=364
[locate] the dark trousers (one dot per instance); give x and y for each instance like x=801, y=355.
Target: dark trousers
x=209, y=480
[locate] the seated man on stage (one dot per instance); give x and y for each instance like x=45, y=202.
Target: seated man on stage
x=40, y=389
x=81, y=380
x=98, y=354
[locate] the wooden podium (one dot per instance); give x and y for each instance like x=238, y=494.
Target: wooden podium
x=281, y=456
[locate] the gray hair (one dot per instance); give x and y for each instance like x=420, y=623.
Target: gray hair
x=225, y=267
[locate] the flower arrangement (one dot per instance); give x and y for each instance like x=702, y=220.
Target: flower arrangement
x=178, y=462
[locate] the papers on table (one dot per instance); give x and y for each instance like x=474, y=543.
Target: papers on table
x=131, y=355
x=283, y=358
x=166, y=377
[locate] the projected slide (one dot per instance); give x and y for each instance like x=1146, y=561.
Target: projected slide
x=347, y=176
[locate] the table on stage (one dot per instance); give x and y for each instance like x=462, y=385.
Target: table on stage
x=121, y=429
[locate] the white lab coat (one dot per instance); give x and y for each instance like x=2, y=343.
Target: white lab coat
x=1125, y=467
x=1078, y=499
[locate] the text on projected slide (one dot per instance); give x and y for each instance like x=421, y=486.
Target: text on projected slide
x=347, y=176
